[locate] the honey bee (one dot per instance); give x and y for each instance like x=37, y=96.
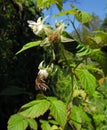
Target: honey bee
x=40, y=83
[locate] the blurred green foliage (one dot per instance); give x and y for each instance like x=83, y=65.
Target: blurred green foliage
x=78, y=79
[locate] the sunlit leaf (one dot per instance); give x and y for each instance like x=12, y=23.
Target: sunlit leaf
x=29, y=45
x=66, y=12
x=59, y=112
x=35, y=108
x=17, y=122
x=88, y=81
x=81, y=16
x=48, y=3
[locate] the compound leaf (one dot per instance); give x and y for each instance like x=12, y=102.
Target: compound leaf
x=35, y=108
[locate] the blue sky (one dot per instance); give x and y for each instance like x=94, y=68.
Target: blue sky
x=99, y=7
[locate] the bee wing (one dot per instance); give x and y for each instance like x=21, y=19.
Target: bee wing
x=40, y=84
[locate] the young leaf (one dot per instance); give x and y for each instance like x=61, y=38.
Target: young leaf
x=81, y=16
x=32, y=124
x=59, y=112
x=17, y=122
x=35, y=108
x=29, y=45
x=88, y=81
x=45, y=125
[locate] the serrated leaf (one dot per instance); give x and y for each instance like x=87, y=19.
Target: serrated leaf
x=32, y=124
x=45, y=125
x=35, y=108
x=79, y=117
x=53, y=122
x=81, y=16
x=17, y=122
x=88, y=81
x=29, y=45
x=59, y=112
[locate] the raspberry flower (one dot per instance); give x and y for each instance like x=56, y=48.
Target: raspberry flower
x=39, y=28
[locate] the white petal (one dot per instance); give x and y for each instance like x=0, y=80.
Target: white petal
x=31, y=22
x=43, y=72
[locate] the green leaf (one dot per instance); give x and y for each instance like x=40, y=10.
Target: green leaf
x=29, y=45
x=100, y=37
x=35, y=108
x=78, y=117
x=48, y=3
x=66, y=12
x=45, y=125
x=17, y=122
x=59, y=112
x=98, y=118
x=100, y=57
x=59, y=4
x=81, y=16
x=83, y=50
x=88, y=81
x=32, y=124
x=52, y=98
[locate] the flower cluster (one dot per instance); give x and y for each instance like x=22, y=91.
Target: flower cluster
x=49, y=34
